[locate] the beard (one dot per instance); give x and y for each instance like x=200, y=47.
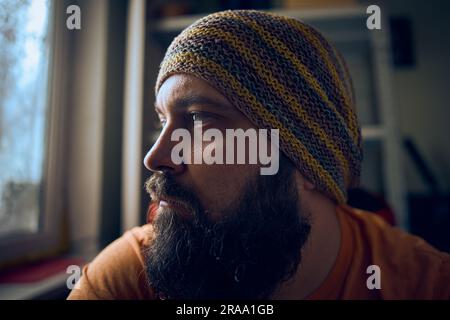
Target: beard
x=246, y=255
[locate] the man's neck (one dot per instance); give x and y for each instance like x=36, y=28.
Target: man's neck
x=319, y=253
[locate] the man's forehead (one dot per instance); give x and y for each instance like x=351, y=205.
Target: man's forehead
x=183, y=90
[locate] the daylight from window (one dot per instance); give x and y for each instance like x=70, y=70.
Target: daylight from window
x=24, y=64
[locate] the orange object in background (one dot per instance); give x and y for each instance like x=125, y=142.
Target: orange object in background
x=372, y=203
x=151, y=212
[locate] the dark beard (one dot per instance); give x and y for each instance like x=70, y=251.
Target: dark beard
x=246, y=255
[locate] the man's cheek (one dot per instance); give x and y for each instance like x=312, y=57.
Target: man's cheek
x=221, y=189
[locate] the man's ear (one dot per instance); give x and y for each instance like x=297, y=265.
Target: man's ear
x=303, y=183
x=308, y=185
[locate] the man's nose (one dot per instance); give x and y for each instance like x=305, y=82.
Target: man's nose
x=159, y=158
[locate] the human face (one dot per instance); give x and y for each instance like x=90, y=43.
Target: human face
x=181, y=100
x=221, y=231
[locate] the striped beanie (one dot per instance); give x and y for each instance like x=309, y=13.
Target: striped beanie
x=281, y=74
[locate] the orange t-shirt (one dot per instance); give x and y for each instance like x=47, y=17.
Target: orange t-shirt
x=409, y=267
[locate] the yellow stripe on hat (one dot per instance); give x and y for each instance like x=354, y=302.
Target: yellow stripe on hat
x=282, y=49
x=325, y=55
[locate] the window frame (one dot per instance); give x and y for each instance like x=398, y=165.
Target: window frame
x=49, y=240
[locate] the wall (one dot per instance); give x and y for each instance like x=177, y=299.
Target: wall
x=422, y=92
x=87, y=105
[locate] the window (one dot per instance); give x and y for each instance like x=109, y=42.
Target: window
x=24, y=58
x=30, y=127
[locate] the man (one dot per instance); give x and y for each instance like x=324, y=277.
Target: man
x=225, y=230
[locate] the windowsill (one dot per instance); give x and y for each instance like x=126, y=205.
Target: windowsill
x=27, y=291
x=40, y=280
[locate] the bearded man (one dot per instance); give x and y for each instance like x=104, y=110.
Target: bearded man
x=225, y=231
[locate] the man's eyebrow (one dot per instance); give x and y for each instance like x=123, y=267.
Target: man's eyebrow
x=186, y=102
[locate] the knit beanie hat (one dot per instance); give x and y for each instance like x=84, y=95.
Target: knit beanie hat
x=281, y=74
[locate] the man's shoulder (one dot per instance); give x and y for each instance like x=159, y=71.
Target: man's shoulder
x=129, y=248
x=118, y=271
x=411, y=267
x=384, y=236
x=140, y=236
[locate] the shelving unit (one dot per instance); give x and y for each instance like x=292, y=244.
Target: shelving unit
x=367, y=55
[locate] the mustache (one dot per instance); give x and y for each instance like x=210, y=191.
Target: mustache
x=163, y=186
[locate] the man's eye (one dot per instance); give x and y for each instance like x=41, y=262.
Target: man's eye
x=200, y=116
x=162, y=123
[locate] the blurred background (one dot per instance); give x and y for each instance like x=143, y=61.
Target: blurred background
x=76, y=119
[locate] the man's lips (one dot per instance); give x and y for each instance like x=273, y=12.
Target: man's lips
x=179, y=206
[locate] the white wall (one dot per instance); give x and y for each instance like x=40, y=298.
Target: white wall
x=86, y=114
x=422, y=93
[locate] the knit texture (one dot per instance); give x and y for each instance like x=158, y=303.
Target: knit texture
x=281, y=74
